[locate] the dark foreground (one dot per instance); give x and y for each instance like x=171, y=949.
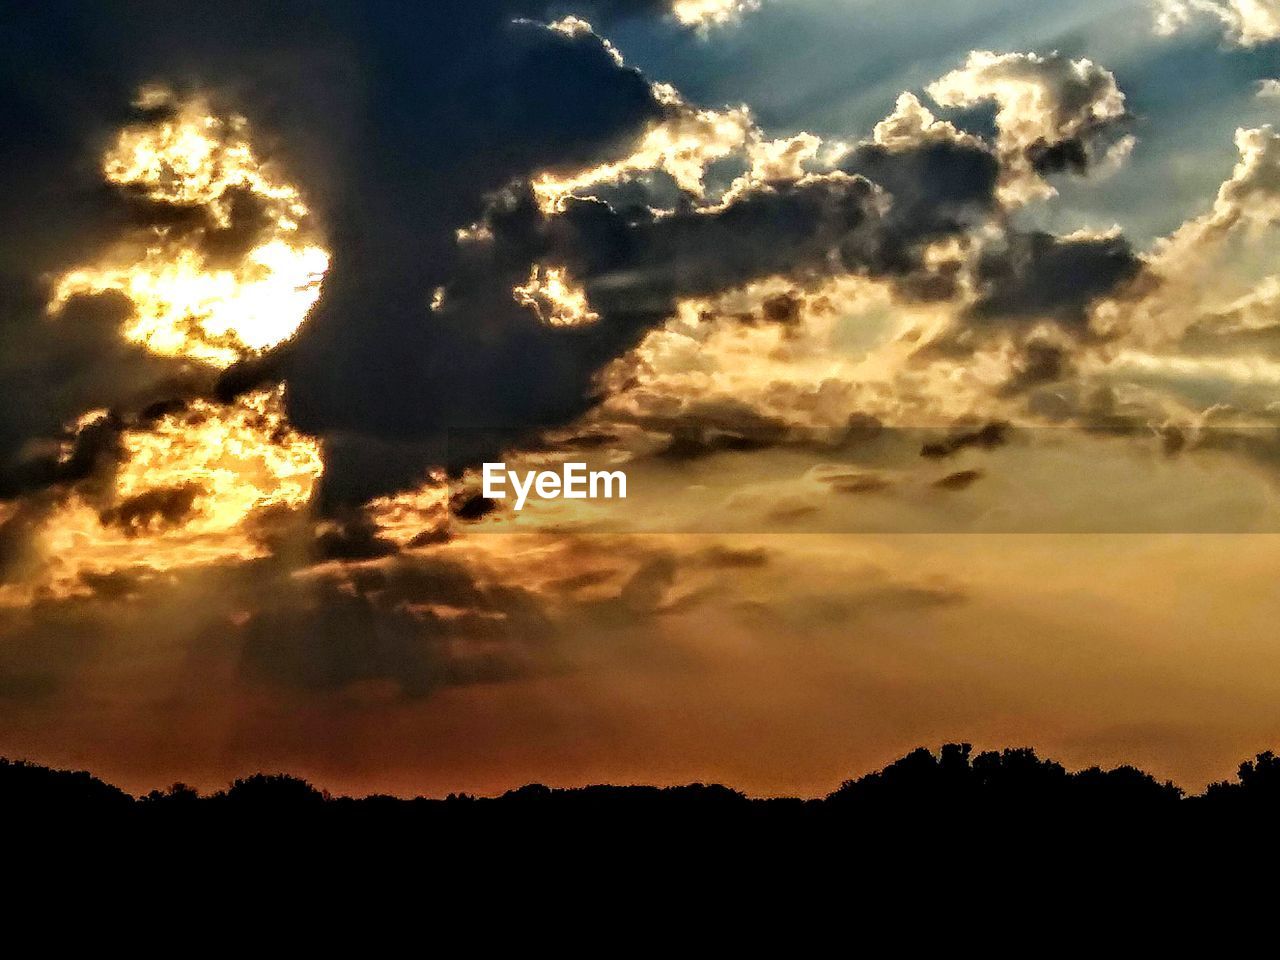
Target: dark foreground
x=954, y=783
x=987, y=839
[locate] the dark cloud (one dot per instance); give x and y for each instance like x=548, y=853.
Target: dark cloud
x=729, y=558
x=352, y=538
x=635, y=264
x=402, y=123
x=960, y=480
x=418, y=623
x=987, y=437
x=1037, y=276
x=93, y=450
x=113, y=585
x=702, y=428
x=783, y=309
x=395, y=118
x=471, y=506
x=55, y=368
x=1057, y=157
x=249, y=221
x=1041, y=362
x=856, y=483
x=154, y=509
x=938, y=189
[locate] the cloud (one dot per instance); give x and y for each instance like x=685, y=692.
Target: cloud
x=912, y=123
x=960, y=480
x=1053, y=114
x=1250, y=196
x=875, y=215
x=703, y=13
x=1194, y=263
x=316, y=82
x=1041, y=362
x=417, y=623
x=157, y=508
x=466, y=312
x=1036, y=276
x=698, y=14
x=53, y=370
x=986, y=437
x=469, y=312
x=681, y=142
x=355, y=537
x=1246, y=23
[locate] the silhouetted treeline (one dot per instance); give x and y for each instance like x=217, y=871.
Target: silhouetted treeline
x=954, y=783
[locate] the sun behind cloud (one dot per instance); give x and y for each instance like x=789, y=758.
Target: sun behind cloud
x=187, y=481
x=185, y=305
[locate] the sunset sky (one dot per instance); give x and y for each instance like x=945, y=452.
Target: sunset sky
x=939, y=342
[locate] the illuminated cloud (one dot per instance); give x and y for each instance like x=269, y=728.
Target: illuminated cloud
x=912, y=124
x=557, y=302
x=577, y=27
x=1250, y=197
x=183, y=307
x=175, y=482
x=703, y=13
x=191, y=157
x=184, y=304
x=1246, y=23
x=682, y=144
x=181, y=494
x=1052, y=113
x=1189, y=261
x=781, y=159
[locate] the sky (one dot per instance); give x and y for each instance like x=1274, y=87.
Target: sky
x=939, y=343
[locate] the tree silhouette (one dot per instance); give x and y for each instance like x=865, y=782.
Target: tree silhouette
x=955, y=786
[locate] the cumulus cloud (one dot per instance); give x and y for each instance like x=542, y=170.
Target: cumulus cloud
x=548, y=99
x=682, y=142
x=472, y=309
x=1053, y=114
x=912, y=123
x=1246, y=23
x=1246, y=205
x=1036, y=275
x=577, y=206
x=1250, y=196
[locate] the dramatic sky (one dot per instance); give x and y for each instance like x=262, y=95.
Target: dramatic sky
x=940, y=342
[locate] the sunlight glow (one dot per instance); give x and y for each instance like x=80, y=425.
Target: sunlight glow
x=184, y=306
x=187, y=486
x=183, y=493
x=703, y=13
x=554, y=298
x=216, y=316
